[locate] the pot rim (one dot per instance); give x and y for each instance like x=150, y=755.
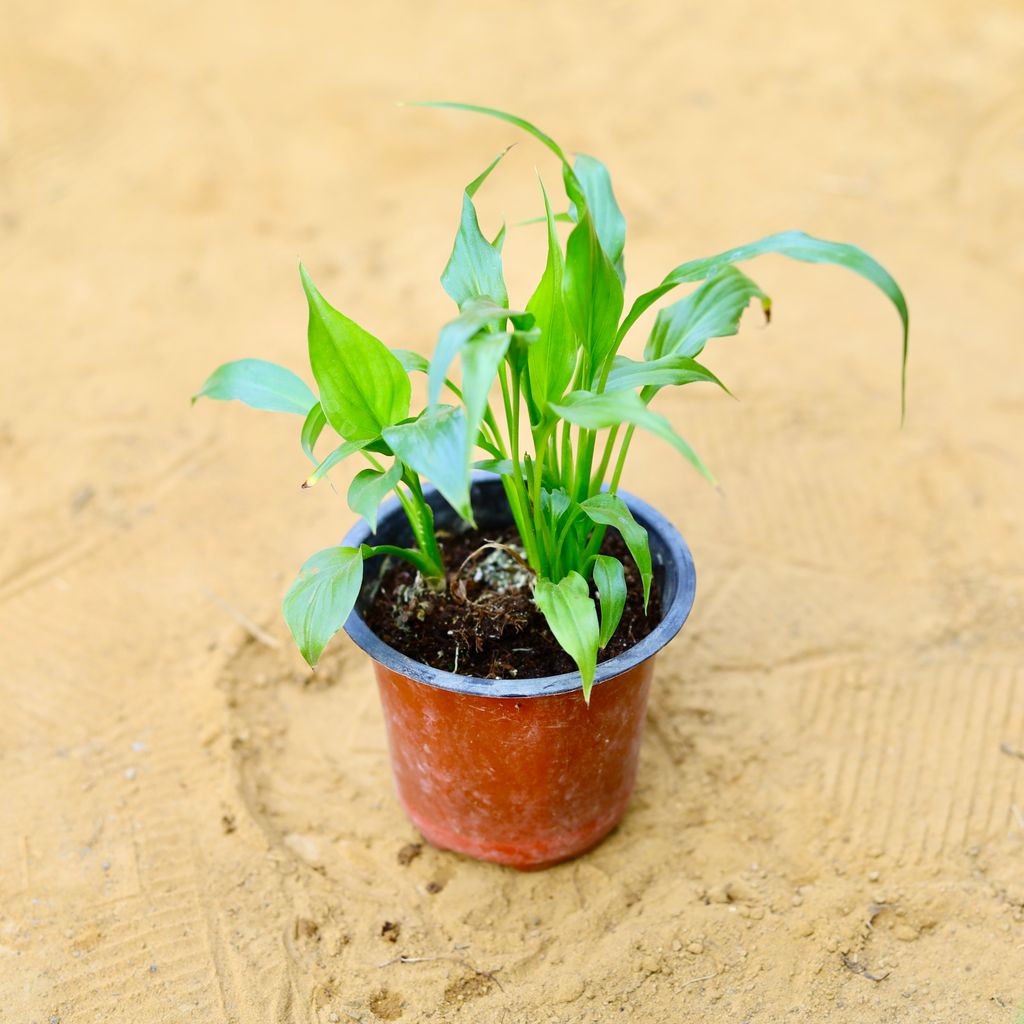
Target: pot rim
x=679, y=564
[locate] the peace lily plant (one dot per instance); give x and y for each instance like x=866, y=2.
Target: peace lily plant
x=560, y=433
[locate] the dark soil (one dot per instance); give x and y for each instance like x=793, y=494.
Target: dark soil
x=485, y=623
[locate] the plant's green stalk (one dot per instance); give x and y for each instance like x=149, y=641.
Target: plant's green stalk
x=526, y=531
x=421, y=520
x=598, y=477
x=567, y=466
x=540, y=442
x=621, y=461
x=373, y=462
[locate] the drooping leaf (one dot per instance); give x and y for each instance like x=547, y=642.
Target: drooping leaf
x=321, y=598
x=610, y=580
x=573, y=187
x=552, y=358
x=570, y=612
x=477, y=314
x=363, y=387
x=610, y=510
x=712, y=311
x=593, y=294
x=604, y=209
x=434, y=445
x=343, y=451
x=369, y=488
x=798, y=246
x=481, y=358
x=312, y=428
x=627, y=374
x=474, y=267
x=411, y=555
x=259, y=384
x=597, y=411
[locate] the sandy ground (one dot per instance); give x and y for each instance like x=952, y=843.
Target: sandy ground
x=829, y=822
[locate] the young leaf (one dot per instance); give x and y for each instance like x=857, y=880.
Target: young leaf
x=610, y=580
x=343, y=451
x=434, y=445
x=477, y=314
x=593, y=294
x=608, y=219
x=412, y=362
x=712, y=311
x=552, y=358
x=363, y=387
x=609, y=409
x=610, y=510
x=569, y=610
x=312, y=428
x=259, y=384
x=627, y=374
x=321, y=598
x=368, y=489
x=797, y=246
x=474, y=267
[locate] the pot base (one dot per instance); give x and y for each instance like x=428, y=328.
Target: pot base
x=519, y=856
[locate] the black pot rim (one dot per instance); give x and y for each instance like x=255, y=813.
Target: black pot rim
x=679, y=564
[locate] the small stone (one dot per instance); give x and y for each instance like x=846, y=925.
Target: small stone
x=874, y=876
x=696, y=948
x=905, y=933
x=408, y=853
x=303, y=846
x=153, y=968
x=676, y=946
x=130, y=773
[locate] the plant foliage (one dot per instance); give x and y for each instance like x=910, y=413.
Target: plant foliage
x=566, y=409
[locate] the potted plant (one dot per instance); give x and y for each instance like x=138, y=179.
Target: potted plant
x=511, y=596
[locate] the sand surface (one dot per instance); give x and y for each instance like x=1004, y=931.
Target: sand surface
x=829, y=821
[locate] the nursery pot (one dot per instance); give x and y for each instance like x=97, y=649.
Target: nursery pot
x=518, y=771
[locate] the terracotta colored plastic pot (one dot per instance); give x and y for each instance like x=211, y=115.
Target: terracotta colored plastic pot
x=518, y=771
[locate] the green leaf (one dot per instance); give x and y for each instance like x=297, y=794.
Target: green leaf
x=610, y=580
x=363, y=387
x=368, y=489
x=797, y=246
x=312, y=428
x=474, y=267
x=481, y=358
x=552, y=358
x=610, y=510
x=627, y=374
x=608, y=219
x=321, y=598
x=597, y=411
x=343, y=451
x=416, y=558
x=593, y=295
x=259, y=384
x=434, y=445
x=412, y=362
x=570, y=612
x=477, y=314
x=712, y=311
